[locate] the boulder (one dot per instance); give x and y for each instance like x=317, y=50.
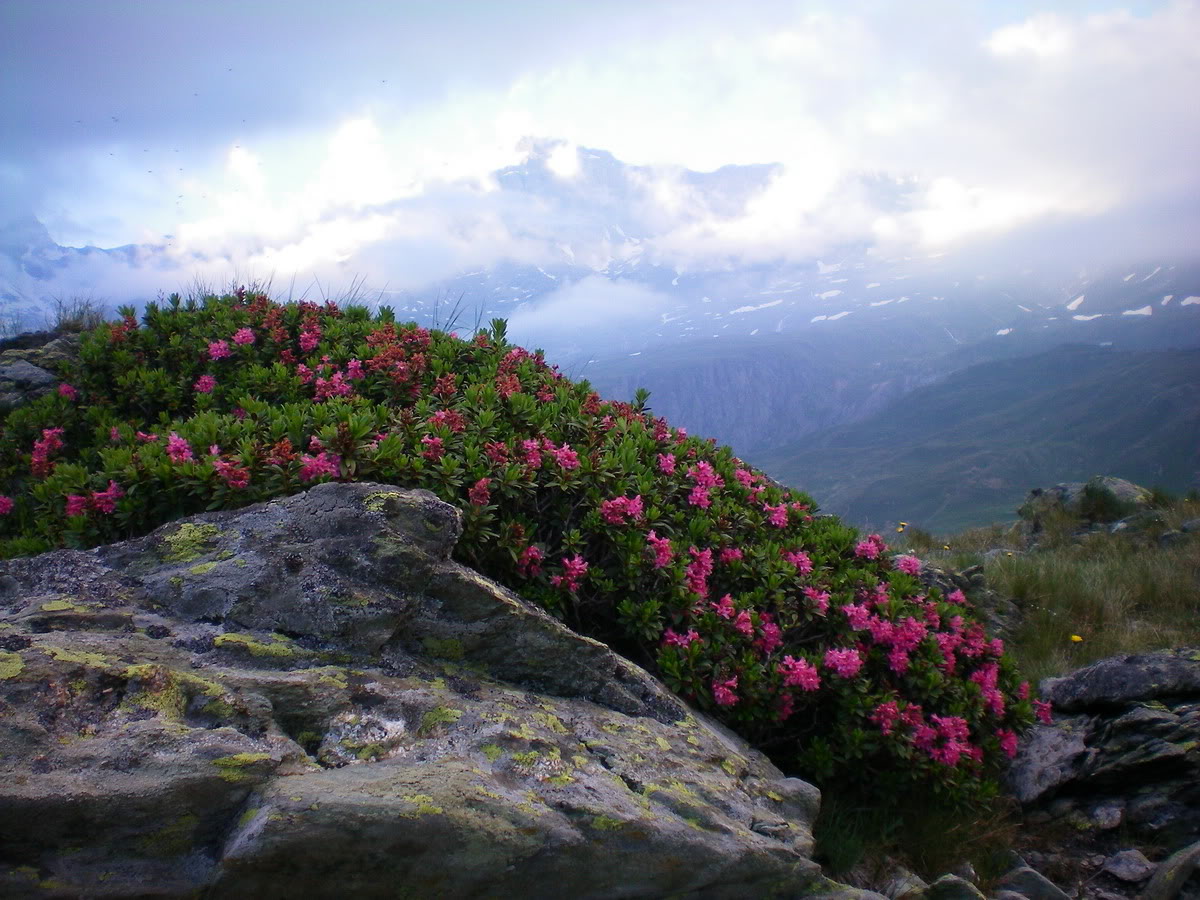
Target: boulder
x=1072, y=499
x=308, y=697
x=1124, y=749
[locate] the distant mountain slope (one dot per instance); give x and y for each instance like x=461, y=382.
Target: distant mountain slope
x=964, y=450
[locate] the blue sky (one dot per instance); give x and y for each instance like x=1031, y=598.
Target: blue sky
x=300, y=136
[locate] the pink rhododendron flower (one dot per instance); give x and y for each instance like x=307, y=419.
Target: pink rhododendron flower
x=309, y=340
x=743, y=625
x=114, y=434
x=219, y=350
x=820, y=599
x=898, y=660
x=745, y=477
x=205, y=384
x=616, y=510
x=698, y=571
x=434, y=447
x=574, y=569
x=77, y=505
x=479, y=495
x=449, y=418
x=724, y=607
x=1023, y=691
x=66, y=390
x=232, y=474
x=771, y=637
x=146, y=438
x=666, y=463
x=731, y=554
x=846, y=663
x=885, y=716
x=51, y=440
x=354, y=370
x=871, y=547
x=799, y=673
x=566, y=457
x=243, y=336
x=800, y=560
x=1008, y=741
x=106, y=501
x=778, y=515
x=1041, y=709
x=672, y=639
x=866, y=549
x=324, y=463
x=956, y=596
x=857, y=616
x=699, y=497
x=178, y=449
x=723, y=691
x=6, y=505
x=663, y=554
x=529, y=562
x=908, y=564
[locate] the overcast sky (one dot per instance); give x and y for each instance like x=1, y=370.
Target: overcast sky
x=362, y=136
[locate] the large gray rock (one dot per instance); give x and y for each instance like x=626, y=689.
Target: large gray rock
x=307, y=697
x=1070, y=498
x=1124, y=748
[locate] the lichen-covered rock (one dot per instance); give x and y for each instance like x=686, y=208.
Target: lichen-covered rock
x=1124, y=748
x=1074, y=498
x=307, y=697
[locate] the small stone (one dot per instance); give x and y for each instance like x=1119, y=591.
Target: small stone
x=1032, y=884
x=951, y=887
x=1129, y=865
x=1107, y=815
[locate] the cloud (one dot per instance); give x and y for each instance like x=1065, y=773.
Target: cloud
x=591, y=312
x=369, y=140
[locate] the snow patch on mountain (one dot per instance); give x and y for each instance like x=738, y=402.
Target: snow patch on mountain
x=746, y=309
x=1074, y=304
x=1141, y=311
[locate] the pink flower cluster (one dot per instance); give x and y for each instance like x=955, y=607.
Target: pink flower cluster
x=243, y=336
x=723, y=691
x=619, y=509
x=799, y=559
x=6, y=505
x=704, y=479
x=673, y=639
x=698, y=570
x=777, y=515
x=731, y=555
x=799, y=673
x=845, y=663
x=871, y=547
x=663, y=554
x=574, y=569
x=237, y=477
x=910, y=565
x=101, y=501
x=566, y=457
x=178, y=449
x=770, y=636
x=66, y=390
x=479, y=494
x=50, y=441
x=666, y=463
x=205, y=384
x=449, y=418
x=219, y=350
x=324, y=463
x=435, y=447
x=724, y=607
x=529, y=563
x=819, y=599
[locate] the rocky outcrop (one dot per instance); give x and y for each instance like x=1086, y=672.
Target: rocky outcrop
x=28, y=364
x=1102, y=498
x=1120, y=764
x=307, y=697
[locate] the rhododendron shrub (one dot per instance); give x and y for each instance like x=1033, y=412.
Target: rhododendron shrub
x=818, y=644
